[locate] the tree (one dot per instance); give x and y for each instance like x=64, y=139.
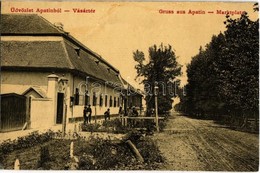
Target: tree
x=239, y=79
x=203, y=79
x=223, y=78
x=162, y=68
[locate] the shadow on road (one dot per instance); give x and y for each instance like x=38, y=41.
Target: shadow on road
x=221, y=123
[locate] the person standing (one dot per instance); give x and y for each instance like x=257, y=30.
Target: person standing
x=107, y=114
x=120, y=112
x=134, y=112
x=85, y=116
x=89, y=113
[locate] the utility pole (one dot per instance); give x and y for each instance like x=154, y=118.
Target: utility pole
x=156, y=106
x=95, y=113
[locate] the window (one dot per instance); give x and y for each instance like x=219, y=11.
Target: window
x=106, y=101
x=114, y=101
x=86, y=98
x=81, y=100
x=118, y=102
x=77, y=96
x=101, y=100
x=110, y=101
x=94, y=99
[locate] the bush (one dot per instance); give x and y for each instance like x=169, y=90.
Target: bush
x=32, y=139
x=114, y=126
x=86, y=162
x=44, y=158
x=103, y=154
x=149, y=150
x=133, y=135
x=148, y=125
x=90, y=127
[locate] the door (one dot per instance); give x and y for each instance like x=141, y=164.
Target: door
x=59, y=108
x=13, y=112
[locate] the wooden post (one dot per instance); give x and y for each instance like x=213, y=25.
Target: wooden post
x=17, y=164
x=95, y=112
x=135, y=150
x=122, y=120
x=156, y=114
x=28, y=111
x=64, y=120
x=71, y=150
x=156, y=107
x=126, y=121
x=64, y=117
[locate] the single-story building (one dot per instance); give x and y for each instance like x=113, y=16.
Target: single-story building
x=53, y=69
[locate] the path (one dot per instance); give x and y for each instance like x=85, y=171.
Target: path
x=201, y=145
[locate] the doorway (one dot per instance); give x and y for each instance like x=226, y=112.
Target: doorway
x=59, y=108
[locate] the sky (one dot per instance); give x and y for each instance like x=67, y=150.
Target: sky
x=117, y=29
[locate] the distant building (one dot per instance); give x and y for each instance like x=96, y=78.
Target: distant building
x=38, y=57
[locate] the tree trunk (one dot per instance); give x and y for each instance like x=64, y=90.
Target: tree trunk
x=245, y=118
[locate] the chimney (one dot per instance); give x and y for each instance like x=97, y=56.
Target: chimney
x=59, y=25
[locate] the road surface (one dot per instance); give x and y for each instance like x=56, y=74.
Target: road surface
x=202, y=145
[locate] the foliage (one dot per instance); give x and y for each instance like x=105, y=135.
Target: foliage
x=90, y=127
x=115, y=125
x=223, y=78
x=111, y=126
x=44, y=158
x=30, y=140
x=162, y=68
x=109, y=155
x=133, y=135
x=104, y=154
x=239, y=77
x=30, y=157
x=149, y=150
x=94, y=154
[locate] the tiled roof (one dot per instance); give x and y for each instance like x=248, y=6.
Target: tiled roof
x=91, y=65
x=26, y=24
x=54, y=54
x=32, y=24
x=60, y=54
x=33, y=54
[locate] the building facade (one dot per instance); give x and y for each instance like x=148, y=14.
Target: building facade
x=57, y=73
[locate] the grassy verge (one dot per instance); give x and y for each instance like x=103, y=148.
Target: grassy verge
x=94, y=154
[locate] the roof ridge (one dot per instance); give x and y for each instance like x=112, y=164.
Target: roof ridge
x=66, y=52
x=37, y=89
x=122, y=81
x=49, y=23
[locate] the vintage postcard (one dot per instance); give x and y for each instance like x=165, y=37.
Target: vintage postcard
x=129, y=85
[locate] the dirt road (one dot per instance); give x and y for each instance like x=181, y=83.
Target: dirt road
x=201, y=145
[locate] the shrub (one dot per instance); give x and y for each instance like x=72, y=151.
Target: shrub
x=148, y=125
x=103, y=154
x=149, y=150
x=86, y=162
x=115, y=126
x=90, y=127
x=133, y=135
x=44, y=158
x=32, y=139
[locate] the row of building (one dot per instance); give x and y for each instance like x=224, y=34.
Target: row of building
x=48, y=71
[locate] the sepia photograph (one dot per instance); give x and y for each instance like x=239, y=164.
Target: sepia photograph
x=129, y=85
